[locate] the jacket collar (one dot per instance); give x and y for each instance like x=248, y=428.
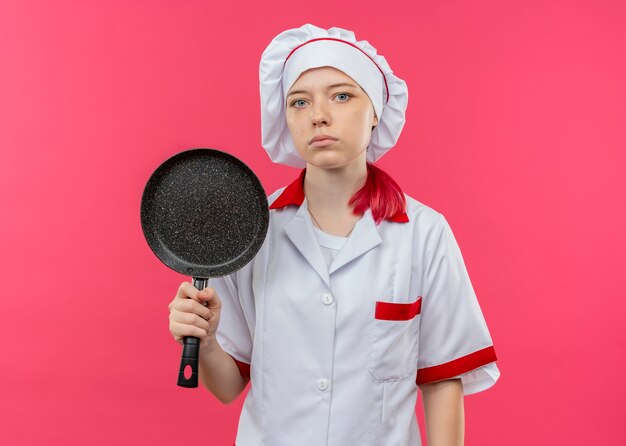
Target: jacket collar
x=293, y=194
x=364, y=237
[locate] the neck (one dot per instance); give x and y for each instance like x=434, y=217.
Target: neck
x=331, y=189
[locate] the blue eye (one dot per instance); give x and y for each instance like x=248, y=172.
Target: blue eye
x=301, y=103
x=343, y=97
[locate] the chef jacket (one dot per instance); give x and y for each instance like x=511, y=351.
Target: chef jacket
x=335, y=354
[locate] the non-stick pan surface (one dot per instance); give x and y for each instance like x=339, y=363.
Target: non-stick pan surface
x=204, y=213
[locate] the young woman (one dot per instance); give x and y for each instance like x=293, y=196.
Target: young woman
x=359, y=296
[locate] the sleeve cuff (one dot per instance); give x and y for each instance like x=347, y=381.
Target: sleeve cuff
x=244, y=368
x=457, y=366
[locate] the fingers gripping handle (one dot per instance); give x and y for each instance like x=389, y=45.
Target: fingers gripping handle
x=190, y=350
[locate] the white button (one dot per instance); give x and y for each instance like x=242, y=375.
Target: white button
x=322, y=384
x=327, y=299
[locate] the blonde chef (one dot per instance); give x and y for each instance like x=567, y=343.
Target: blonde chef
x=359, y=296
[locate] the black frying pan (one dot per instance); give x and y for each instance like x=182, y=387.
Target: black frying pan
x=204, y=213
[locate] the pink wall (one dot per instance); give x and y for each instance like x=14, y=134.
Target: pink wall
x=515, y=132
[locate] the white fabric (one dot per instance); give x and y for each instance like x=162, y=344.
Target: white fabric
x=329, y=244
x=275, y=136
x=324, y=371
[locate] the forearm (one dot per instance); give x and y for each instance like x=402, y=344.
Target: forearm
x=219, y=373
x=444, y=413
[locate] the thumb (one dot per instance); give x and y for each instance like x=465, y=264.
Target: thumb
x=208, y=298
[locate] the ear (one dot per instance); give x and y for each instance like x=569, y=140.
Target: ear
x=374, y=122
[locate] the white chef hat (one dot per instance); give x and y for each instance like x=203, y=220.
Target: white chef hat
x=296, y=50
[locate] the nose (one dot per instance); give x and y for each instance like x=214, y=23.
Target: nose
x=320, y=114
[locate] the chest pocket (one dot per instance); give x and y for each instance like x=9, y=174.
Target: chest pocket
x=394, y=340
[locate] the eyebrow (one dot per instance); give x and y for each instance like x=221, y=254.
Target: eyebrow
x=328, y=88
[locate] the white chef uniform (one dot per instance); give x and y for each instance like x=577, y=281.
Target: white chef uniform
x=335, y=354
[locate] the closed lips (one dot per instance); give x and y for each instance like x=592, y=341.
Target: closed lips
x=321, y=138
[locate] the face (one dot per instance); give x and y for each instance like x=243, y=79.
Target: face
x=327, y=102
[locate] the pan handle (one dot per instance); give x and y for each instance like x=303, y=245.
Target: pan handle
x=190, y=349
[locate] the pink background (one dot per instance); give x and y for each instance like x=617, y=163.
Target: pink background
x=515, y=132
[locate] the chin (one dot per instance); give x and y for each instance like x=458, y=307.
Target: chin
x=327, y=161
